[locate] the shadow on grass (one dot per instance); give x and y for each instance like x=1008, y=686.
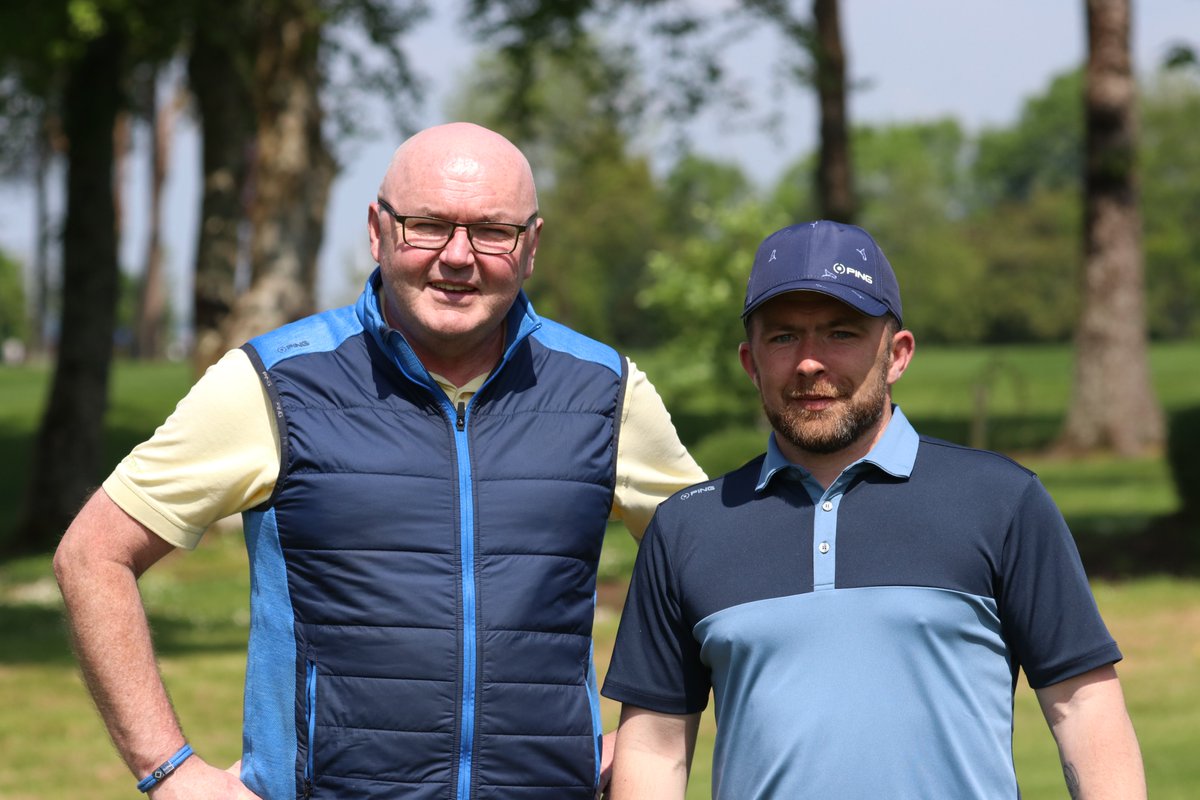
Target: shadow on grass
x=33, y=635
x=17, y=443
x=1014, y=433
x=36, y=634
x=1167, y=545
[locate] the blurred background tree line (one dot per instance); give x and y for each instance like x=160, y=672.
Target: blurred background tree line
x=1076, y=222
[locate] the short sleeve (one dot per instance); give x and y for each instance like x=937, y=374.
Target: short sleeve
x=652, y=463
x=217, y=454
x=1049, y=614
x=656, y=660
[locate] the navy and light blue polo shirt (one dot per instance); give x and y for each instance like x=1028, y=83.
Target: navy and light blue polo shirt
x=864, y=640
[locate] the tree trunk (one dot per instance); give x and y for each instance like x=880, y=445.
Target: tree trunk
x=292, y=173
x=152, y=294
x=835, y=185
x=40, y=283
x=1113, y=404
x=219, y=72
x=68, y=455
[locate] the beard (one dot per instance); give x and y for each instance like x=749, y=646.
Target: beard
x=843, y=423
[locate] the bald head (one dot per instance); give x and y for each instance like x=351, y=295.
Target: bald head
x=450, y=301
x=466, y=159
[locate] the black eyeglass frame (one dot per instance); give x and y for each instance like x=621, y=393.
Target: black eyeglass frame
x=403, y=218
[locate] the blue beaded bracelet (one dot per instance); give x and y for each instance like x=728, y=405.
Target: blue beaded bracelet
x=170, y=765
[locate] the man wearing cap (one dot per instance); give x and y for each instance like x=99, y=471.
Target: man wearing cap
x=859, y=598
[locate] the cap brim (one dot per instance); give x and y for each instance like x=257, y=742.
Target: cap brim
x=847, y=294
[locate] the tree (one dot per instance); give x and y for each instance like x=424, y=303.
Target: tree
x=69, y=447
x=822, y=65
x=291, y=166
x=597, y=194
x=149, y=330
x=220, y=75
x=31, y=130
x=835, y=175
x=1113, y=402
x=93, y=46
x=293, y=169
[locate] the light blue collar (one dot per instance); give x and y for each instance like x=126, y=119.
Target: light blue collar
x=894, y=453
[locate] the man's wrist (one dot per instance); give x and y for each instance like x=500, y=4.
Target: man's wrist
x=166, y=769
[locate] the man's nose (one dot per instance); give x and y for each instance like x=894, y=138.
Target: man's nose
x=810, y=361
x=458, y=251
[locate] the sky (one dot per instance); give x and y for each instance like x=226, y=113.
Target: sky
x=914, y=60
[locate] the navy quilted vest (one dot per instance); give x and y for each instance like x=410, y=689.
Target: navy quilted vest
x=423, y=576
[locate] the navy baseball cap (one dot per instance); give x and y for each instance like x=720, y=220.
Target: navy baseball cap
x=839, y=260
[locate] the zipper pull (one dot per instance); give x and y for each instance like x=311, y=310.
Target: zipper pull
x=461, y=424
x=308, y=788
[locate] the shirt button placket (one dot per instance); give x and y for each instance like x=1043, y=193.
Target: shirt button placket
x=825, y=536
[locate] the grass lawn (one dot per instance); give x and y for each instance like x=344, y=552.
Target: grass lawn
x=53, y=744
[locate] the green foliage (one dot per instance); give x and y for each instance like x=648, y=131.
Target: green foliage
x=1030, y=289
x=1170, y=168
x=793, y=194
x=1025, y=391
x=1044, y=150
x=697, y=289
x=1183, y=442
x=728, y=449
x=598, y=197
x=696, y=181
x=911, y=198
x=984, y=230
x=13, y=322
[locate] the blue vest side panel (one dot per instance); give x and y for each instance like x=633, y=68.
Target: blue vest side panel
x=269, y=735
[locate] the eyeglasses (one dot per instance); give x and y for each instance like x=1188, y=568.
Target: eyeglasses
x=431, y=233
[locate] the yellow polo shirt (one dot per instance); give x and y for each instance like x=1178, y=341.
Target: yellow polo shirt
x=218, y=454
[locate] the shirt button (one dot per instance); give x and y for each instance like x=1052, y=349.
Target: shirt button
x=827, y=505
x=823, y=547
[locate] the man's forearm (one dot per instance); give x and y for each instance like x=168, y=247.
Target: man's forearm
x=111, y=635
x=1096, y=742
x=654, y=753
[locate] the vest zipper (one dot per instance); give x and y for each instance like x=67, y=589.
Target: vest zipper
x=466, y=547
x=310, y=694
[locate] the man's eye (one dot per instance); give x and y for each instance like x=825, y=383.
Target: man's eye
x=492, y=233
x=426, y=227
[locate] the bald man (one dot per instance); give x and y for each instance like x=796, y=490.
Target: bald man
x=425, y=478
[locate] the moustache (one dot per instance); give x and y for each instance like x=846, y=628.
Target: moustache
x=816, y=392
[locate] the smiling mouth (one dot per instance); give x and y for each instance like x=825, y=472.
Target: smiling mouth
x=452, y=288
x=815, y=398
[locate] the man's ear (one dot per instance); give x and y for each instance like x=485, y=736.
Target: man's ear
x=747, y=359
x=373, y=232
x=533, y=235
x=903, y=345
